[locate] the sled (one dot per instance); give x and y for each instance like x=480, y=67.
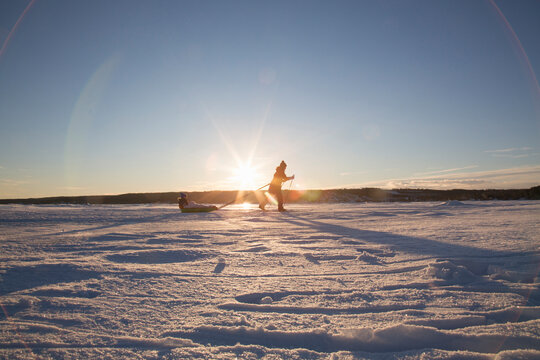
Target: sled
x=199, y=210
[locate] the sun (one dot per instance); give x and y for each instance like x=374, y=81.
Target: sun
x=245, y=176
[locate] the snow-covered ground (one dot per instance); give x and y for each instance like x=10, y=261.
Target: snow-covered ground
x=384, y=281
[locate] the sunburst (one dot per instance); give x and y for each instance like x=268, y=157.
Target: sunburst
x=246, y=176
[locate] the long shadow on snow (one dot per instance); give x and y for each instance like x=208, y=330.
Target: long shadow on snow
x=26, y=277
x=400, y=243
x=133, y=221
x=456, y=253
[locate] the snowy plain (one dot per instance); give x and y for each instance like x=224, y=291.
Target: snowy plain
x=455, y=280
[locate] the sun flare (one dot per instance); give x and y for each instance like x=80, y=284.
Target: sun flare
x=246, y=176
x=246, y=206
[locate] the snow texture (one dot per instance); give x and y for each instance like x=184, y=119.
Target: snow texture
x=457, y=280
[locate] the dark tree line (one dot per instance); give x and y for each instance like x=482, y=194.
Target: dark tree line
x=307, y=196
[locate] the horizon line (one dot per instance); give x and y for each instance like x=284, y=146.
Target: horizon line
x=285, y=190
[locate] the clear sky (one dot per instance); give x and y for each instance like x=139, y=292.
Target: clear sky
x=108, y=97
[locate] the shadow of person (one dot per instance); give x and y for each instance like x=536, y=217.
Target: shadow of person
x=467, y=267
x=401, y=243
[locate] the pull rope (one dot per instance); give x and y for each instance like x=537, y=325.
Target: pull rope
x=246, y=194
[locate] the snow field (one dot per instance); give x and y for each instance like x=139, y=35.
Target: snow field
x=341, y=281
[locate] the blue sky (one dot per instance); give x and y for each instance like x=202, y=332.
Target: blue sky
x=107, y=97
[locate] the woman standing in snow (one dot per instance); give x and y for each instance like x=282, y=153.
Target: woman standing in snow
x=275, y=186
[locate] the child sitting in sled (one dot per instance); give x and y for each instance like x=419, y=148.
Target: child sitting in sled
x=184, y=203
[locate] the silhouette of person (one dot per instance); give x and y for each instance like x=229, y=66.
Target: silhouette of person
x=275, y=186
x=182, y=200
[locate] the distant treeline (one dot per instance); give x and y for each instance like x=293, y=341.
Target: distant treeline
x=295, y=196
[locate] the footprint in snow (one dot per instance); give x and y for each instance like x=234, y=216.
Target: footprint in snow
x=220, y=266
x=311, y=258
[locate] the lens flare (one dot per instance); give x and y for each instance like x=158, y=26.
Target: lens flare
x=12, y=31
x=270, y=198
x=246, y=206
x=524, y=58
